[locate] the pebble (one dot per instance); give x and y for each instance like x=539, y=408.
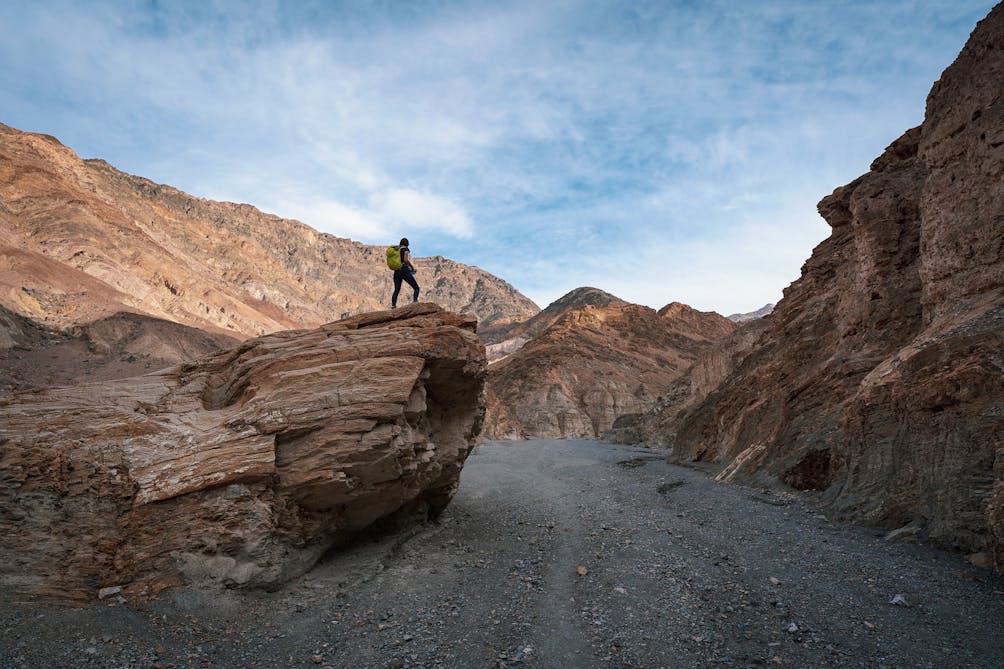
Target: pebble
x=105, y=593
x=899, y=600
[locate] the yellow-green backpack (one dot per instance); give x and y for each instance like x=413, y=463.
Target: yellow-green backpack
x=393, y=257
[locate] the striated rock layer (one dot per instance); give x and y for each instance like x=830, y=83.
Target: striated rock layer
x=592, y=364
x=658, y=424
x=80, y=241
x=241, y=468
x=879, y=377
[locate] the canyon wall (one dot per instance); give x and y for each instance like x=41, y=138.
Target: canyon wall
x=879, y=378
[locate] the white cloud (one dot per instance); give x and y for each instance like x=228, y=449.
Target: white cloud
x=388, y=213
x=331, y=216
x=729, y=269
x=409, y=208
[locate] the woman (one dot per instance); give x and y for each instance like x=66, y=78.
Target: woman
x=405, y=273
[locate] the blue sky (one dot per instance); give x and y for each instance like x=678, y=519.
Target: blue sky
x=662, y=151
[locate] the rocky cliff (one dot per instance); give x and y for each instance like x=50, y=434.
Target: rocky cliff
x=593, y=363
x=80, y=240
x=241, y=468
x=657, y=425
x=879, y=377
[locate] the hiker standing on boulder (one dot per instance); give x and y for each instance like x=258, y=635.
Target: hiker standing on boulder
x=399, y=260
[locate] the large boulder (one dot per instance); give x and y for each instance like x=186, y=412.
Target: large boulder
x=241, y=468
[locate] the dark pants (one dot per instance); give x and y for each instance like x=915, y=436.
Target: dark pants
x=406, y=275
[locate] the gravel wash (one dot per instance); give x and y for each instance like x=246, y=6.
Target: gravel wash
x=566, y=554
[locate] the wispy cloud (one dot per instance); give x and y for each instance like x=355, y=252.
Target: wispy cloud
x=662, y=151
x=406, y=207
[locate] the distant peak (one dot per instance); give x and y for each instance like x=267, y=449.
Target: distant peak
x=585, y=295
x=675, y=308
x=753, y=315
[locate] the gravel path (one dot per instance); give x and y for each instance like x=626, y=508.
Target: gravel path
x=567, y=554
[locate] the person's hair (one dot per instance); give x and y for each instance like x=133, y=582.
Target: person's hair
x=404, y=241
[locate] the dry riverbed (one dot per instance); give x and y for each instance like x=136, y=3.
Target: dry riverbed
x=567, y=554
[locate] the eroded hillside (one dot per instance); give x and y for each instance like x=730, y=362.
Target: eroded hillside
x=592, y=363
x=80, y=240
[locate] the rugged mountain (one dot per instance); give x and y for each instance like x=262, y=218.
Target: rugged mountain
x=114, y=347
x=752, y=315
x=504, y=337
x=592, y=364
x=879, y=377
x=80, y=240
x=241, y=468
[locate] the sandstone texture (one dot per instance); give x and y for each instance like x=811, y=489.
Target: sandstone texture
x=593, y=363
x=241, y=468
x=879, y=377
x=81, y=241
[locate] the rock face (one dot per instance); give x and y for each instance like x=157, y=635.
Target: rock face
x=657, y=425
x=80, y=241
x=592, y=364
x=879, y=377
x=241, y=468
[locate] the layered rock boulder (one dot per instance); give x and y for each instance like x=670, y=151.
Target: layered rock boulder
x=879, y=377
x=592, y=364
x=241, y=468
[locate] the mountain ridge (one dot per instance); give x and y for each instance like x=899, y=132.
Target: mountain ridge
x=81, y=240
x=503, y=338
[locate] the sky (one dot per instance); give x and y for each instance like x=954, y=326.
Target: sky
x=661, y=151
